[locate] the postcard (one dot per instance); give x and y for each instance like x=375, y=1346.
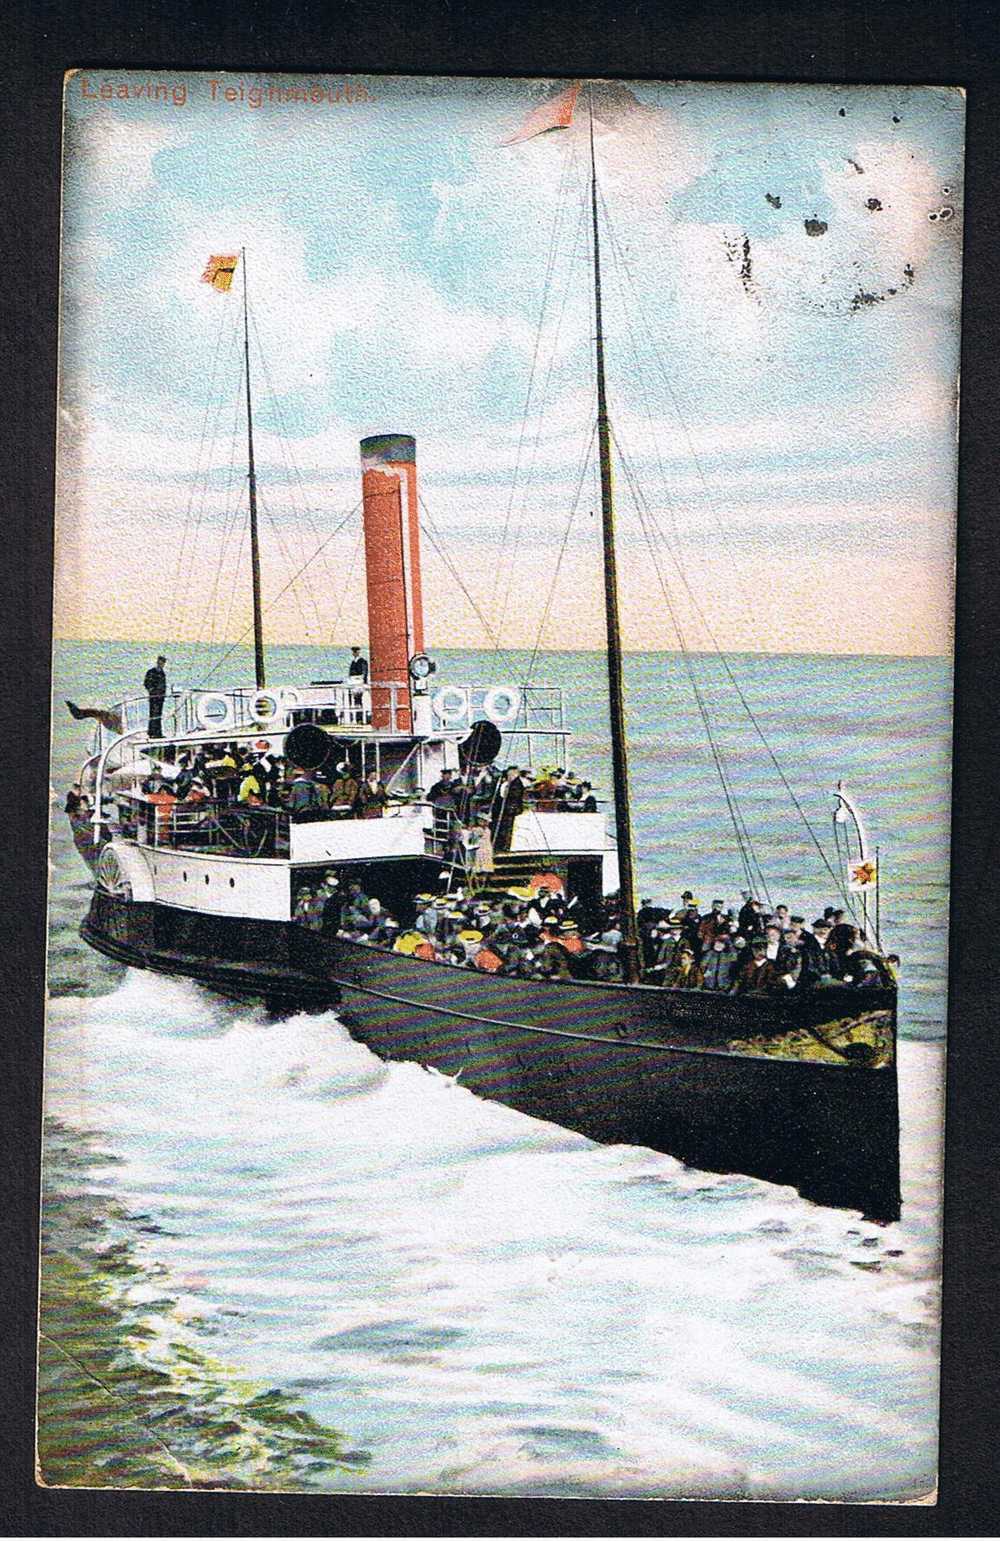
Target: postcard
x=500, y=787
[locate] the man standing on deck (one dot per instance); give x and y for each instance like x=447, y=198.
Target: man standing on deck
x=357, y=674
x=155, y=684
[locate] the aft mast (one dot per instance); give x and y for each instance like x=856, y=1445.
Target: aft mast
x=258, y=626
x=616, y=689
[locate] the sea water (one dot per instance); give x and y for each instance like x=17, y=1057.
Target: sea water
x=476, y=1301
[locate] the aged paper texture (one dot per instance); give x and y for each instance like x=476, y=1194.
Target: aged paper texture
x=501, y=772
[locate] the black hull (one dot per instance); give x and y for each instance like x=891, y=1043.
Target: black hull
x=621, y=1064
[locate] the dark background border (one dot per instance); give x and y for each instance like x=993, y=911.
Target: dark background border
x=923, y=41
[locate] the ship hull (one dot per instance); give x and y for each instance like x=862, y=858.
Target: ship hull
x=702, y=1077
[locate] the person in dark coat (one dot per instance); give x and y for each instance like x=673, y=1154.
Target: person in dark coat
x=691, y=928
x=712, y=923
x=826, y=960
x=511, y=804
x=587, y=802
x=357, y=674
x=331, y=899
x=750, y=921
x=864, y=966
x=442, y=793
x=155, y=685
x=184, y=780
x=758, y=975
x=372, y=797
x=683, y=972
x=842, y=935
x=720, y=963
x=647, y=918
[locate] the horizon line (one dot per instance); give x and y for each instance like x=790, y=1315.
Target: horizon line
x=246, y=645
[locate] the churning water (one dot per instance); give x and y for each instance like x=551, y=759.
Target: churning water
x=472, y=1301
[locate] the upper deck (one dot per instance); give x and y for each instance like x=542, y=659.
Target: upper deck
x=202, y=715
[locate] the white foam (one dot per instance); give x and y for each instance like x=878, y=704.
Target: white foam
x=444, y=1276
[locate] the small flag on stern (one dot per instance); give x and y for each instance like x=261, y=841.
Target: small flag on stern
x=557, y=112
x=861, y=875
x=219, y=272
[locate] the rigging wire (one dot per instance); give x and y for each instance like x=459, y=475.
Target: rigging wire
x=231, y=517
x=837, y=880
x=285, y=442
x=347, y=585
x=272, y=602
x=561, y=204
x=174, y=614
x=275, y=526
x=188, y=580
x=720, y=526
x=432, y=534
x=744, y=843
x=232, y=522
x=581, y=227
x=244, y=531
x=588, y=452
x=744, y=840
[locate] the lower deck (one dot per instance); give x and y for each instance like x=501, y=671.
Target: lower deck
x=715, y=1080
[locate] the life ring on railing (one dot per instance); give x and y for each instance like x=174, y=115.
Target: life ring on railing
x=450, y=705
x=214, y=711
x=506, y=713
x=264, y=706
x=291, y=698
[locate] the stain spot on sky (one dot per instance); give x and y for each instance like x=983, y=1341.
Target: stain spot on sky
x=815, y=226
x=859, y=169
x=874, y=204
x=842, y=113
x=894, y=118
x=740, y=251
x=745, y=266
x=774, y=200
x=864, y=299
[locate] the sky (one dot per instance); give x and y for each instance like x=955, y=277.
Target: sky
x=781, y=272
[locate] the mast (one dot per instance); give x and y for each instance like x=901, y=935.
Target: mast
x=258, y=627
x=616, y=689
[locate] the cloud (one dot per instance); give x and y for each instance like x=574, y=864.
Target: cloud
x=408, y=273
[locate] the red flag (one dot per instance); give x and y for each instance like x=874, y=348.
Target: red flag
x=557, y=112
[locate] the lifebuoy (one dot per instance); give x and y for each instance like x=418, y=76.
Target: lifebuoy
x=264, y=706
x=450, y=705
x=291, y=698
x=504, y=713
x=214, y=710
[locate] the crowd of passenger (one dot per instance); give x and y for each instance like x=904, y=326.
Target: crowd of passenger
x=474, y=808
x=756, y=950
x=536, y=932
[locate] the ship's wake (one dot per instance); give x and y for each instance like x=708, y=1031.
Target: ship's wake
x=490, y=1303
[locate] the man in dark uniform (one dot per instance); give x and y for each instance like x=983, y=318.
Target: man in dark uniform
x=155, y=684
x=357, y=673
x=510, y=805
